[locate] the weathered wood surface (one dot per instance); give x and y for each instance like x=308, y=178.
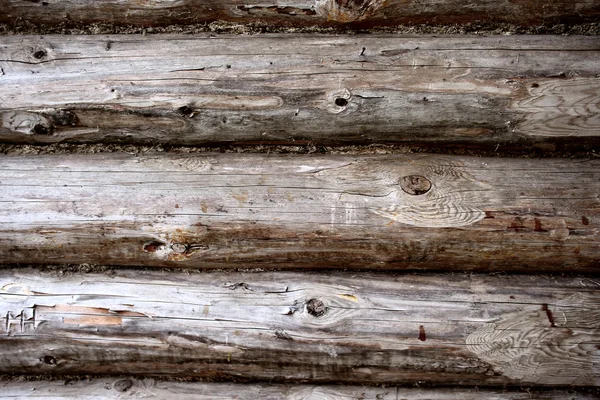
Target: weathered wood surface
x=244, y=210
x=376, y=328
x=132, y=388
x=355, y=13
x=202, y=89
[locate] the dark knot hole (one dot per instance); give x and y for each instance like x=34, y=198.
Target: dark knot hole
x=316, y=307
x=341, y=102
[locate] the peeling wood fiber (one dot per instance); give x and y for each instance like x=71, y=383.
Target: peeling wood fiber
x=353, y=13
x=246, y=210
x=480, y=330
x=298, y=89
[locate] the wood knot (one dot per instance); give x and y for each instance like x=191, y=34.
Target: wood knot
x=39, y=54
x=49, y=360
x=453, y=201
x=123, y=385
x=186, y=111
x=341, y=102
x=348, y=10
x=316, y=307
x=179, y=248
x=153, y=247
x=415, y=184
x=41, y=129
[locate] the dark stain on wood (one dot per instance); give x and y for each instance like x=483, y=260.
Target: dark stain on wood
x=548, y=314
x=422, y=335
x=538, y=225
x=517, y=224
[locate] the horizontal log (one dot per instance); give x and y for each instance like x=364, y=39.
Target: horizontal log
x=354, y=13
x=192, y=90
x=132, y=388
x=244, y=210
x=371, y=328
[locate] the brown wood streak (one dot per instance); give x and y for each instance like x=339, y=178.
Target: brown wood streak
x=117, y=388
x=481, y=330
x=191, y=90
x=355, y=13
x=234, y=210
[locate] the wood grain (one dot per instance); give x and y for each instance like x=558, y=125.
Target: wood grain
x=354, y=13
x=250, y=210
x=206, y=89
x=132, y=388
x=318, y=327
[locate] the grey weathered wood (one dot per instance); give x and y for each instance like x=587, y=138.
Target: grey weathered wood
x=202, y=89
x=243, y=210
x=353, y=328
x=355, y=13
x=132, y=388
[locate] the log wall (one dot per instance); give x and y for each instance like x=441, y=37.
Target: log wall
x=446, y=333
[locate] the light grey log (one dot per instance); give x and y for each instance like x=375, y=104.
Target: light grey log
x=132, y=388
x=353, y=328
x=243, y=210
x=300, y=88
x=356, y=13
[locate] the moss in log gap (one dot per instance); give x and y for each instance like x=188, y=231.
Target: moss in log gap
x=504, y=150
x=22, y=27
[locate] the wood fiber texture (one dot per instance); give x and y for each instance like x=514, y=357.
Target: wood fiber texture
x=148, y=388
x=300, y=89
x=212, y=210
x=318, y=327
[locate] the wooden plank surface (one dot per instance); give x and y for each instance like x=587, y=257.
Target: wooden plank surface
x=354, y=13
x=132, y=388
x=199, y=89
x=317, y=327
x=211, y=210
